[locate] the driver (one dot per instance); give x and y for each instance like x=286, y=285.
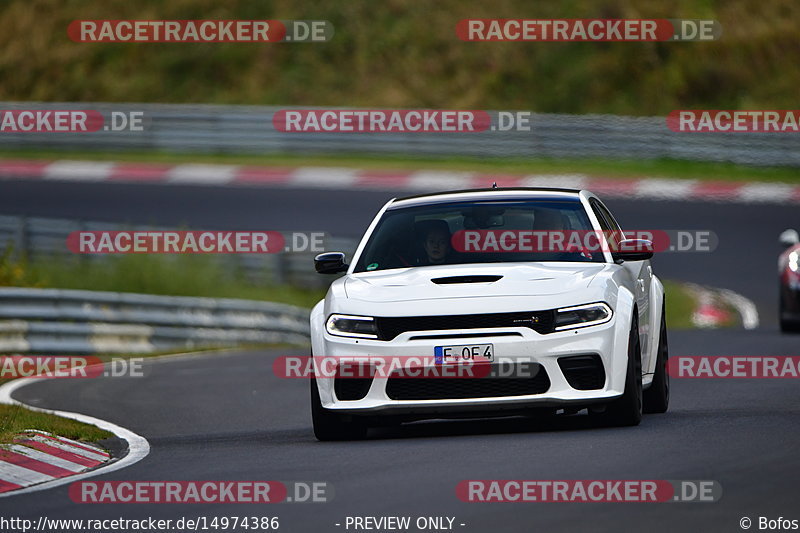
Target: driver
x=435, y=239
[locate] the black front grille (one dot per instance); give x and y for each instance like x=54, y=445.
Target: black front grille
x=391, y=327
x=460, y=388
x=583, y=372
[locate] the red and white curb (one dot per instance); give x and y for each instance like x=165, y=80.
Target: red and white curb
x=39, y=461
x=406, y=180
x=713, y=308
x=38, y=457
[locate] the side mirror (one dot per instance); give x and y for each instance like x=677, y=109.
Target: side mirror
x=789, y=238
x=633, y=250
x=330, y=263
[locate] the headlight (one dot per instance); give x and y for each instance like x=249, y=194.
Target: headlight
x=352, y=326
x=582, y=316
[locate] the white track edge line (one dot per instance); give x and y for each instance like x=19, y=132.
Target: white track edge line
x=138, y=447
x=744, y=306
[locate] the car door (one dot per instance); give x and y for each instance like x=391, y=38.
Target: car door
x=640, y=271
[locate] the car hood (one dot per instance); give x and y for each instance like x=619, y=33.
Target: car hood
x=470, y=281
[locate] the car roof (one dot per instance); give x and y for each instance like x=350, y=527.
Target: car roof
x=510, y=193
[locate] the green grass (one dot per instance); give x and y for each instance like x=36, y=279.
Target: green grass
x=176, y=275
x=15, y=419
x=405, y=53
x=680, y=305
x=611, y=168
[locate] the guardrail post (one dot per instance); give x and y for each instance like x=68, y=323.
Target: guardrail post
x=20, y=246
x=280, y=268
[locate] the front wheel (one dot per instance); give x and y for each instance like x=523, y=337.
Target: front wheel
x=787, y=325
x=656, y=398
x=627, y=409
x=330, y=426
x=790, y=326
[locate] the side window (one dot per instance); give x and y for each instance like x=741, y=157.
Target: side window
x=607, y=223
x=609, y=217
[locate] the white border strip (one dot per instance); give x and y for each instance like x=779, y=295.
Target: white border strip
x=37, y=455
x=324, y=177
x=744, y=306
x=200, y=174
x=138, y=447
x=68, y=170
x=19, y=475
x=63, y=446
x=704, y=295
x=648, y=188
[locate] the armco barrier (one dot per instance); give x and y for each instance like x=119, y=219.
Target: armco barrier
x=57, y=321
x=249, y=129
x=46, y=237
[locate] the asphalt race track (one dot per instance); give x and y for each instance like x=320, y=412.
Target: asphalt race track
x=226, y=416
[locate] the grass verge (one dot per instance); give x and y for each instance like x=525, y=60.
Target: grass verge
x=14, y=419
x=681, y=304
x=609, y=168
x=174, y=275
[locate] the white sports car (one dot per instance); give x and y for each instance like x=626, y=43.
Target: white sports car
x=581, y=329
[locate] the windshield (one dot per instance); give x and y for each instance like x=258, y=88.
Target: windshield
x=467, y=232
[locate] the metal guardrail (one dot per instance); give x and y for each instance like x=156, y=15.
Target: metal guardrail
x=249, y=129
x=46, y=237
x=56, y=321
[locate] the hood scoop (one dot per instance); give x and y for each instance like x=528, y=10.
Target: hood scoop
x=465, y=279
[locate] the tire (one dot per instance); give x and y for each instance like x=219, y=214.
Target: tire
x=787, y=325
x=330, y=426
x=656, y=398
x=627, y=409
x=790, y=326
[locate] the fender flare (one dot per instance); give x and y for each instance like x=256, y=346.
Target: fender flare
x=657, y=302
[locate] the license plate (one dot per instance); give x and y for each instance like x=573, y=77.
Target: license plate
x=468, y=353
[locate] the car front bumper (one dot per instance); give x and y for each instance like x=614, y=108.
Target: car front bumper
x=607, y=341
